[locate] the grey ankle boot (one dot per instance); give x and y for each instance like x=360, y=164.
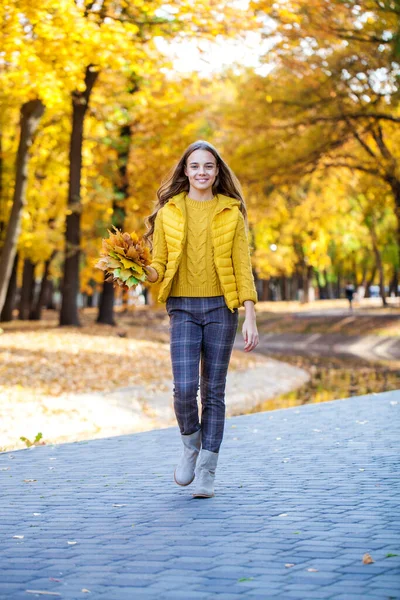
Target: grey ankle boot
x=184, y=472
x=205, y=474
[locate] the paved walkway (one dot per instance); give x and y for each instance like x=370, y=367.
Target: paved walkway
x=368, y=347
x=301, y=495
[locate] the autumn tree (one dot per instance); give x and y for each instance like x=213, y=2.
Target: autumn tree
x=31, y=37
x=341, y=63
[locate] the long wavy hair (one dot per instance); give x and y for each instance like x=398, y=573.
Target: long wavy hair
x=176, y=181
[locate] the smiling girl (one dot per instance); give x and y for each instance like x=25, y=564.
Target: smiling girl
x=201, y=256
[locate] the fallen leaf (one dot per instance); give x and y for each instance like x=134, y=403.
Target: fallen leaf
x=29, y=480
x=367, y=559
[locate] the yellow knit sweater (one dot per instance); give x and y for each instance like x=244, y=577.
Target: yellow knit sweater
x=196, y=274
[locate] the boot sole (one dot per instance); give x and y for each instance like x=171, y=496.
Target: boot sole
x=202, y=495
x=183, y=484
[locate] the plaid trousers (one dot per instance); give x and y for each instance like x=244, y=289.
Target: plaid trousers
x=201, y=328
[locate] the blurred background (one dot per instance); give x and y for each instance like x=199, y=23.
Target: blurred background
x=99, y=100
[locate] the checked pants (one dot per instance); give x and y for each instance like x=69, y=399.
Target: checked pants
x=202, y=333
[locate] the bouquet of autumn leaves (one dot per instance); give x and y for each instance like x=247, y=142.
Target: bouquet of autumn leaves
x=124, y=257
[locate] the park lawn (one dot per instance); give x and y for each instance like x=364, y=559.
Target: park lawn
x=45, y=368
x=93, y=357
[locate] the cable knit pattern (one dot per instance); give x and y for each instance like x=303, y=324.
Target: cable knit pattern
x=196, y=275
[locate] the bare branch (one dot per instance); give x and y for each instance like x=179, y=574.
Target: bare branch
x=349, y=166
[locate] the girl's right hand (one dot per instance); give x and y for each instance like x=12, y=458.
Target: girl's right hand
x=151, y=273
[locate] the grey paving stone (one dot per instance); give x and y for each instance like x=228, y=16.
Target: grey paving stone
x=315, y=486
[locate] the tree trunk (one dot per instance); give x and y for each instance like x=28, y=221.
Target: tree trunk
x=49, y=298
x=328, y=285
x=265, y=290
x=395, y=185
x=27, y=290
x=339, y=283
x=355, y=279
x=379, y=265
x=2, y=199
x=306, y=272
x=369, y=283
x=106, y=306
x=70, y=286
x=293, y=287
x=283, y=284
x=7, y=312
x=394, y=284
x=36, y=313
x=378, y=261
x=31, y=113
x=322, y=289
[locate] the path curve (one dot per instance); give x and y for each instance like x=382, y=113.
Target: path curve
x=369, y=348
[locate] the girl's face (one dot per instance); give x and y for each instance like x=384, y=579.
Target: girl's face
x=201, y=170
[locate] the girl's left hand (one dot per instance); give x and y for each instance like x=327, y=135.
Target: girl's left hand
x=250, y=334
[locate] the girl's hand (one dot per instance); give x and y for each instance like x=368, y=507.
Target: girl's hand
x=249, y=329
x=250, y=334
x=151, y=273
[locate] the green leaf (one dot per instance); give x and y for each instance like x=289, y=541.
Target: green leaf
x=131, y=281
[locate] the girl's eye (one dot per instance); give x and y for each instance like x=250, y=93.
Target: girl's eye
x=194, y=167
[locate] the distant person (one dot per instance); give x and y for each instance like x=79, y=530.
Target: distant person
x=350, y=290
x=202, y=257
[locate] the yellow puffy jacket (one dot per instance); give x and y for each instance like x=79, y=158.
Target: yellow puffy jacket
x=230, y=244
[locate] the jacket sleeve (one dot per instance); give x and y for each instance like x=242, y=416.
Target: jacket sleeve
x=160, y=252
x=242, y=264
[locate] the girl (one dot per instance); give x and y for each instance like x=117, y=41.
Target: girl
x=202, y=257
